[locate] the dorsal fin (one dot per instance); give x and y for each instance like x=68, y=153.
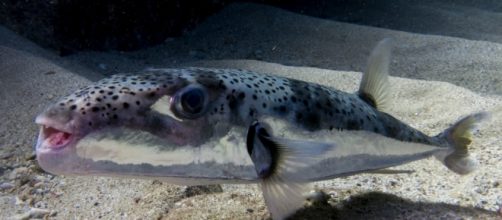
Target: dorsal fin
x=375, y=83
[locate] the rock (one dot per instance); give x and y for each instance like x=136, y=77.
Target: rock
x=35, y=213
x=199, y=190
x=32, y=154
x=39, y=213
x=6, y=155
x=6, y=185
x=18, y=172
x=24, y=216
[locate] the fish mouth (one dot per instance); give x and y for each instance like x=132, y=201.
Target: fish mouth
x=53, y=136
x=56, y=145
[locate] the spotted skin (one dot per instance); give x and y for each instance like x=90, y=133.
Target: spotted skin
x=236, y=96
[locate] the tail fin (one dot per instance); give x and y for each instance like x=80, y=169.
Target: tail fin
x=458, y=138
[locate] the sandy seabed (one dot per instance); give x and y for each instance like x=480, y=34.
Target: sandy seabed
x=437, y=80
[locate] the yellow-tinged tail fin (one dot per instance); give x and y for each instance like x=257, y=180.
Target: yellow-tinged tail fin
x=458, y=138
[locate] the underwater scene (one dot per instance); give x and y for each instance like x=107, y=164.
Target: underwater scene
x=264, y=109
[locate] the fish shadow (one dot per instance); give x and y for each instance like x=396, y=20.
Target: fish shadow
x=378, y=205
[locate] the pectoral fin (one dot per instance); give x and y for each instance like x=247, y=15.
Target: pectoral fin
x=278, y=162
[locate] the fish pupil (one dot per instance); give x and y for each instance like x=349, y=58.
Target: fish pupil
x=192, y=101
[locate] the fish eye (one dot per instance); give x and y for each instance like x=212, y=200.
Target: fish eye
x=190, y=102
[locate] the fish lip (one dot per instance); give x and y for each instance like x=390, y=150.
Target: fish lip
x=48, y=123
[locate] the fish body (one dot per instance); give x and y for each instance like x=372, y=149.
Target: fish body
x=195, y=126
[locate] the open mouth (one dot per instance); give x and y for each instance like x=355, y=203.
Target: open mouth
x=54, y=138
x=53, y=135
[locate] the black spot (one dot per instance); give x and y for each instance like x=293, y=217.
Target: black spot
x=115, y=116
x=73, y=107
x=241, y=95
x=126, y=105
x=293, y=99
x=95, y=109
x=264, y=105
x=252, y=112
x=115, y=97
x=232, y=102
x=255, y=97
x=138, y=103
x=98, y=99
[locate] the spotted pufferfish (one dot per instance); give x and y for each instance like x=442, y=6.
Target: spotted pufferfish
x=194, y=126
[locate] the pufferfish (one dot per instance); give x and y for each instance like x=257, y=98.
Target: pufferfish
x=194, y=126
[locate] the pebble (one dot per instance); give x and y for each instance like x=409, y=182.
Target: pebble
x=18, y=172
x=6, y=185
x=30, y=155
x=35, y=213
x=6, y=155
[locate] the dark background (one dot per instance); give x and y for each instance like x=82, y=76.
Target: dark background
x=73, y=25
